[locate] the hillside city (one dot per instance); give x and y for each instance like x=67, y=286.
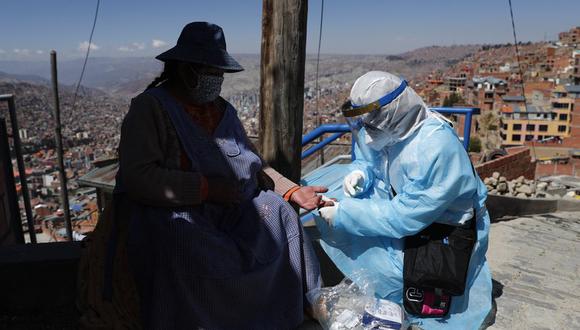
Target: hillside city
x=528, y=103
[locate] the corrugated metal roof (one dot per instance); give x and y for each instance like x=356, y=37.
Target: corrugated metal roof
x=513, y=98
x=489, y=79
x=573, y=88
x=531, y=109
x=102, y=177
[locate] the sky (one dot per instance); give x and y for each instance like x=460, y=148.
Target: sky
x=31, y=28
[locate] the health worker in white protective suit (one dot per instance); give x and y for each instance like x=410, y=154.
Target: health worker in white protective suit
x=411, y=171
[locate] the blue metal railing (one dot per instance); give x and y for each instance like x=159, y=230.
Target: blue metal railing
x=337, y=129
x=340, y=129
x=468, y=112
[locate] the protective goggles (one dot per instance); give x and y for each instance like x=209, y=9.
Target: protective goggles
x=350, y=110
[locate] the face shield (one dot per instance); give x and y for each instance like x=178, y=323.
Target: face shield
x=382, y=110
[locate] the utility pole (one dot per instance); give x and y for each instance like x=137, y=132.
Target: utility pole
x=282, y=84
x=59, y=149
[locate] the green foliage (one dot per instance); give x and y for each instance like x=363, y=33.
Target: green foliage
x=452, y=100
x=474, y=144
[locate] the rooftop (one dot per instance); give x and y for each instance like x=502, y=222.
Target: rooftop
x=533, y=259
x=489, y=79
x=101, y=177
x=528, y=109
x=513, y=98
x=573, y=88
x=559, y=89
x=532, y=109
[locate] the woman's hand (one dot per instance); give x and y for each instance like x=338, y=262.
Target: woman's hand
x=307, y=198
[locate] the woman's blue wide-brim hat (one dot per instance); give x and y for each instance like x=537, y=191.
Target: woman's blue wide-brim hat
x=202, y=43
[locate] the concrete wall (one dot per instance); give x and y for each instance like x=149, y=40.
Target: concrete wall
x=518, y=162
x=504, y=206
x=556, y=169
x=38, y=285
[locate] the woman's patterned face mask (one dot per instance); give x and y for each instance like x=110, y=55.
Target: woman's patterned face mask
x=208, y=87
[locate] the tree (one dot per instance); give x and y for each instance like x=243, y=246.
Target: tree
x=474, y=144
x=453, y=99
x=446, y=102
x=488, y=122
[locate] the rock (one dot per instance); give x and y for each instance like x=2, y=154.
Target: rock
x=556, y=191
x=570, y=194
x=495, y=175
x=541, y=195
x=520, y=180
x=487, y=181
x=541, y=186
x=522, y=195
x=511, y=186
x=493, y=181
x=524, y=189
x=489, y=188
x=502, y=187
x=493, y=192
x=502, y=179
x=533, y=188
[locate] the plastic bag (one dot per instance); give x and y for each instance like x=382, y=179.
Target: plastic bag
x=349, y=306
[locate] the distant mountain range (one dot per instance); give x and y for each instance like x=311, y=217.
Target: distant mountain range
x=33, y=79
x=126, y=77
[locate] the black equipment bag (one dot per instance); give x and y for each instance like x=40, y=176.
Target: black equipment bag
x=438, y=257
x=436, y=261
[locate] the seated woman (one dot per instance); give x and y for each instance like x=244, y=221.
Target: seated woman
x=204, y=223
x=411, y=171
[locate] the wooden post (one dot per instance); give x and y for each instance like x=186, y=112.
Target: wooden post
x=59, y=148
x=282, y=84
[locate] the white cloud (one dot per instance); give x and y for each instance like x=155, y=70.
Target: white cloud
x=132, y=47
x=39, y=52
x=2, y=51
x=139, y=45
x=156, y=43
x=85, y=44
x=21, y=51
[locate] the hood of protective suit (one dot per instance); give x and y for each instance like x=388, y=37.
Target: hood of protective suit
x=392, y=122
